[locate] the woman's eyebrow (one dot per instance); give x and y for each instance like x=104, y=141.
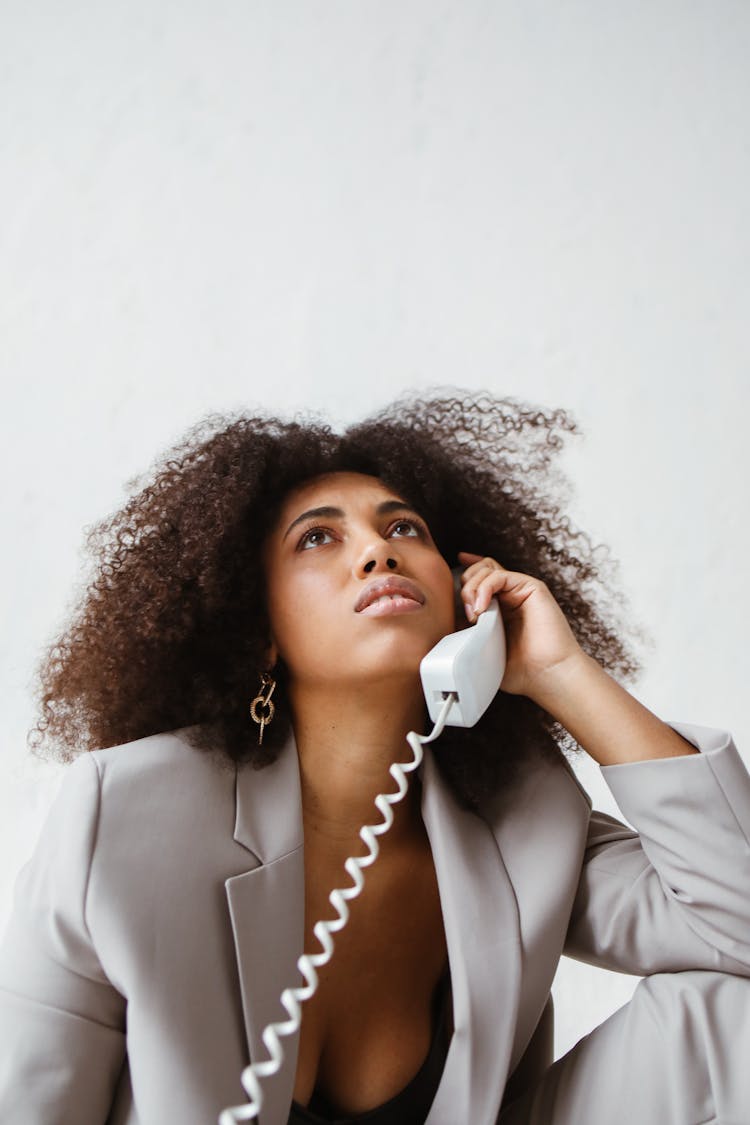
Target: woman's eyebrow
x=327, y=511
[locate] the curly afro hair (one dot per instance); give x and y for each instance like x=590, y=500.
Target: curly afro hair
x=172, y=630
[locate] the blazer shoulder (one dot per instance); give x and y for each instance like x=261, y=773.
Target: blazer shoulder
x=166, y=757
x=164, y=838
x=157, y=796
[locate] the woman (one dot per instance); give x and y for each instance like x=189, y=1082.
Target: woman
x=243, y=670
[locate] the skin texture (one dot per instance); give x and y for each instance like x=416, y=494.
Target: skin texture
x=353, y=679
x=316, y=572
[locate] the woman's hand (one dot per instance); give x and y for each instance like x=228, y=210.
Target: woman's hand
x=537, y=634
x=546, y=663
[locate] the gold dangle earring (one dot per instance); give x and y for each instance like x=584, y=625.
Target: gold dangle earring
x=262, y=703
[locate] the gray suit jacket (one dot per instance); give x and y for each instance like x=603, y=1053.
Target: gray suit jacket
x=161, y=916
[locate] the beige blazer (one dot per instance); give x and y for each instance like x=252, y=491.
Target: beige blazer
x=161, y=916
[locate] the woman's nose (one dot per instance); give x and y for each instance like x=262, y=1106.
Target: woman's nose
x=376, y=556
x=369, y=566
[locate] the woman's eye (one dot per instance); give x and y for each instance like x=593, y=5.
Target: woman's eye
x=413, y=528
x=313, y=538
x=320, y=536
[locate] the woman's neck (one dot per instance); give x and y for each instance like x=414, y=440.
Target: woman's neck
x=346, y=742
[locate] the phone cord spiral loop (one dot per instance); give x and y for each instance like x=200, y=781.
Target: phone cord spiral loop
x=307, y=964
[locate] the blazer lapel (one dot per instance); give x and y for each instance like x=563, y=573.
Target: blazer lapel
x=482, y=930
x=266, y=905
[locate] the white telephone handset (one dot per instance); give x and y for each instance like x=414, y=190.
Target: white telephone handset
x=460, y=678
x=470, y=665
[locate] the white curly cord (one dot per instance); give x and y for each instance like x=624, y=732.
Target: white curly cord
x=307, y=963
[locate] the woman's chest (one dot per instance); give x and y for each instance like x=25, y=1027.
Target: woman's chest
x=367, y=1030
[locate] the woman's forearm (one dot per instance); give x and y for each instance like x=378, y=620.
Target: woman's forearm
x=605, y=719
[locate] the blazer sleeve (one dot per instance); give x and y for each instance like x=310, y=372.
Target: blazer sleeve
x=62, y=1023
x=675, y=894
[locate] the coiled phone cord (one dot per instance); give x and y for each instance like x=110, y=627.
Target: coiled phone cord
x=307, y=963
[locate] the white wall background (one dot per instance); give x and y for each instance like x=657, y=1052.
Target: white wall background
x=209, y=206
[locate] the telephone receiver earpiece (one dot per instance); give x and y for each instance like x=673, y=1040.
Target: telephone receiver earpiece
x=469, y=663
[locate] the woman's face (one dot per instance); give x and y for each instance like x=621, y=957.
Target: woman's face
x=357, y=589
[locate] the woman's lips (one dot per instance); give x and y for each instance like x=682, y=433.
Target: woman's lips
x=394, y=585
x=389, y=605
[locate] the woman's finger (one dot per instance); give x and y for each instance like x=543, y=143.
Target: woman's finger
x=481, y=580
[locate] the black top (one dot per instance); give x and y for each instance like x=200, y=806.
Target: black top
x=412, y=1104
